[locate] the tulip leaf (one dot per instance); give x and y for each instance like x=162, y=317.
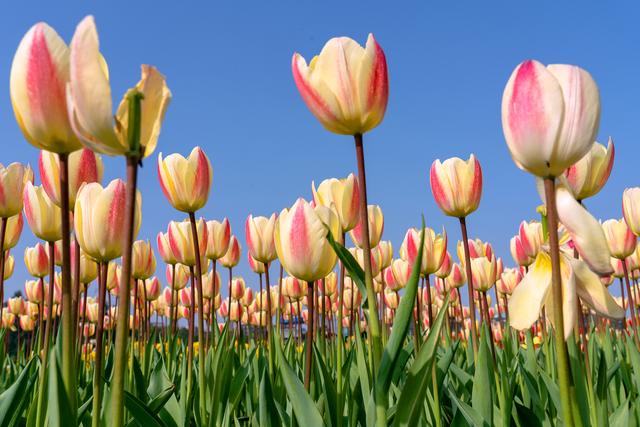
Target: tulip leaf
x=351, y=264
x=59, y=405
x=12, y=400
x=483, y=387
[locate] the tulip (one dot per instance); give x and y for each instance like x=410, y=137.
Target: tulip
x=434, y=252
x=34, y=290
x=113, y=276
x=358, y=254
x=232, y=256
x=578, y=280
x=509, y=280
x=445, y=268
x=152, y=288
x=39, y=76
x=9, y=265
x=531, y=237
x=88, y=268
x=36, y=260
x=401, y=271
x=13, y=180
x=550, y=116
x=211, y=284
x=237, y=288
x=85, y=166
x=256, y=266
x=8, y=321
x=376, y=226
x=300, y=240
x=181, y=241
x=341, y=195
x=631, y=208
x=345, y=87
x=259, y=234
x=620, y=238
x=143, y=260
x=186, y=181
x=293, y=288
x=484, y=271
x=456, y=277
x=219, y=234
x=517, y=252
x=177, y=276
x=100, y=219
x=16, y=305
x=457, y=185
x=43, y=216
x=587, y=176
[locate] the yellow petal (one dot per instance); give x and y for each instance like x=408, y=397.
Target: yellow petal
x=529, y=296
x=593, y=292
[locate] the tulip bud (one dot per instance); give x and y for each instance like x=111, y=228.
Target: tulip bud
x=587, y=176
x=210, y=284
x=186, y=181
x=517, y=252
x=621, y=241
x=181, y=241
x=36, y=260
x=484, y=273
x=88, y=267
x=550, y=116
x=8, y=320
x=401, y=271
x=34, y=291
x=219, y=234
x=232, y=256
x=259, y=236
x=445, y=267
x=185, y=296
x=358, y=254
x=341, y=195
x=237, y=288
x=43, y=216
x=143, y=261
x=177, y=276
x=39, y=76
x=100, y=219
x=376, y=226
x=435, y=249
x=84, y=166
x=329, y=285
x=456, y=278
x=152, y=286
x=456, y=185
x=531, y=237
x=509, y=279
x=293, y=288
x=16, y=305
x=346, y=86
x=9, y=265
x=631, y=208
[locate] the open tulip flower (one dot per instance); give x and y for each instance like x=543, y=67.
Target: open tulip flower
x=578, y=280
x=588, y=175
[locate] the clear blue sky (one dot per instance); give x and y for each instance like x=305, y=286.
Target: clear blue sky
x=229, y=70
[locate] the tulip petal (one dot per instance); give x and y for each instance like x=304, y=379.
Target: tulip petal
x=585, y=231
x=528, y=298
x=591, y=290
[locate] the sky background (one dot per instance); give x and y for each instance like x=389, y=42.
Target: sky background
x=228, y=66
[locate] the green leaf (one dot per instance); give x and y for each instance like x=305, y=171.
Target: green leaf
x=303, y=407
x=483, y=389
x=59, y=406
x=351, y=265
x=266, y=409
x=140, y=412
x=12, y=400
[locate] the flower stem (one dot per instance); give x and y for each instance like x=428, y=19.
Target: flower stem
x=201, y=346
x=634, y=321
x=97, y=373
x=467, y=264
x=374, y=323
x=309, y=344
x=3, y=232
x=340, y=348
x=562, y=356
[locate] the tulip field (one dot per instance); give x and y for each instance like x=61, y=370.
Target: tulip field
x=336, y=326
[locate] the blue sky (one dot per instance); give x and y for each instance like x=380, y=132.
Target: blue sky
x=228, y=66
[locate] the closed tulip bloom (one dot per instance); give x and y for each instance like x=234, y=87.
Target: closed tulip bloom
x=36, y=259
x=9, y=265
x=88, y=267
x=13, y=231
x=15, y=305
x=435, y=249
x=219, y=234
x=517, y=252
x=445, y=268
x=376, y=226
x=587, y=177
x=92, y=312
x=346, y=87
x=621, y=241
x=341, y=195
x=39, y=76
x=293, y=288
x=185, y=296
x=210, y=284
x=456, y=185
x=13, y=180
x=181, y=276
x=358, y=254
x=100, y=219
x=186, y=181
x=164, y=249
x=34, y=291
x=385, y=250
x=84, y=166
x=550, y=116
x=237, y=288
x=8, y=320
x=401, y=270
x=391, y=299
x=43, y=216
x=329, y=285
x=531, y=237
x=256, y=266
x=27, y=323
x=484, y=272
x=143, y=261
x=113, y=276
x=152, y=286
x=91, y=106
x=259, y=235
x=631, y=208
x=456, y=277
x=232, y=257
x=247, y=297
x=534, y=292
x=509, y=279
x=181, y=241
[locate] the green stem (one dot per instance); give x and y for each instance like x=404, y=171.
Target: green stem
x=562, y=361
x=309, y=344
x=467, y=265
x=374, y=322
x=340, y=347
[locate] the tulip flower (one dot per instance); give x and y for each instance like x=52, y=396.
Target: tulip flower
x=620, y=239
x=509, y=280
x=631, y=208
x=445, y=268
x=186, y=181
x=578, y=280
x=517, y=252
x=43, y=216
x=100, y=219
x=484, y=271
x=237, y=288
x=85, y=166
x=589, y=174
x=88, y=268
x=36, y=260
x=39, y=76
x=341, y=195
x=550, y=116
x=219, y=234
x=232, y=256
x=181, y=241
x=345, y=87
x=259, y=234
x=457, y=185
x=531, y=237
x=143, y=260
x=376, y=226
x=34, y=290
x=456, y=277
x=152, y=288
x=434, y=252
x=13, y=180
